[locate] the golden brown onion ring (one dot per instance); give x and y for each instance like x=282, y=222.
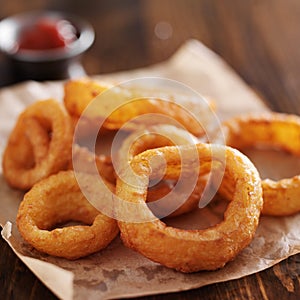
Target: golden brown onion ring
x=189, y=250
x=78, y=94
x=155, y=137
x=39, y=145
x=281, y=198
x=55, y=201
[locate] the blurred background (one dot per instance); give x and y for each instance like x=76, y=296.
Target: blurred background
x=258, y=38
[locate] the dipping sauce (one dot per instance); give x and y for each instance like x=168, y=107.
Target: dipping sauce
x=47, y=33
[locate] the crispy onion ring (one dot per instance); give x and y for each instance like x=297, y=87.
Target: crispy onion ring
x=155, y=137
x=80, y=93
x=57, y=200
x=190, y=250
x=39, y=145
x=281, y=198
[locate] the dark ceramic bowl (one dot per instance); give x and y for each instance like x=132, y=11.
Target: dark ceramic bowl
x=48, y=64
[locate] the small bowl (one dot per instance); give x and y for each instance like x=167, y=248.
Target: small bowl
x=45, y=64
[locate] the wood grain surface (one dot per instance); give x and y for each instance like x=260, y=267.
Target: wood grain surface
x=260, y=39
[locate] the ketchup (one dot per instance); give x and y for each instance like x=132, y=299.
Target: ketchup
x=46, y=34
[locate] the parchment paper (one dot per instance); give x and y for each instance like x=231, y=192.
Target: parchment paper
x=118, y=272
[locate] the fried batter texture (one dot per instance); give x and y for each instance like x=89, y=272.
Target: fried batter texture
x=54, y=201
x=156, y=137
x=189, y=250
x=122, y=107
x=276, y=130
x=160, y=170
x=39, y=145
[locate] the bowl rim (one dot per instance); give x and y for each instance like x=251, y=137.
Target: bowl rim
x=77, y=47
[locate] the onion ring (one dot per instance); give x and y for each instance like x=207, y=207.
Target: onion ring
x=39, y=145
x=189, y=250
x=56, y=200
x=80, y=93
x=281, y=198
x=155, y=137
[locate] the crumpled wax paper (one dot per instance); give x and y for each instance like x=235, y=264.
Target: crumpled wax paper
x=118, y=272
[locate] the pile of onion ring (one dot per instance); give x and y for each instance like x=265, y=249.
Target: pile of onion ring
x=39, y=159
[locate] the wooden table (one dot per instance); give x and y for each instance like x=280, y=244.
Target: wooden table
x=260, y=39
